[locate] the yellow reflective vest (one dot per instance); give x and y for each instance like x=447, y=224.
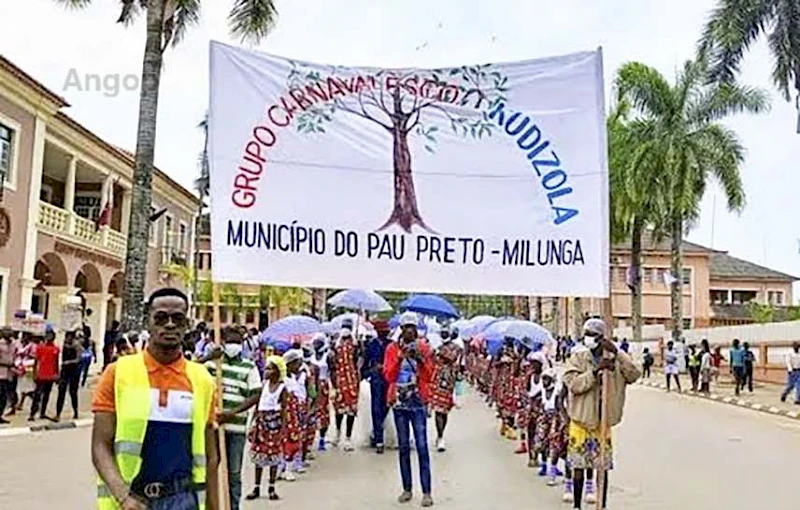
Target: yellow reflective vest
x=133, y=401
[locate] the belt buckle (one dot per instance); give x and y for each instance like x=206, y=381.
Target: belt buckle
x=153, y=490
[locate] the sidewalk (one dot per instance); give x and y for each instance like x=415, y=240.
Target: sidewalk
x=764, y=398
x=20, y=424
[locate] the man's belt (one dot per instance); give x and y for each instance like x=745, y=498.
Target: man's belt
x=159, y=490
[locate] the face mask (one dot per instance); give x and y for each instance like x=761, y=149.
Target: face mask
x=233, y=350
x=590, y=342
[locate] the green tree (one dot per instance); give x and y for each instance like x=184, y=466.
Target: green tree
x=637, y=194
x=167, y=22
x=295, y=298
x=762, y=314
x=680, y=137
x=734, y=25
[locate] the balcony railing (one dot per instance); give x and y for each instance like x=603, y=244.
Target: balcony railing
x=171, y=255
x=62, y=223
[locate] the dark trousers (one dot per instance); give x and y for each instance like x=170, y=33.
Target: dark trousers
x=404, y=420
x=738, y=375
x=234, y=448
x=41, y=397
x=748, y=377
x=70, y=379
x=694, y=373
x=5, y=394
x=379, y=409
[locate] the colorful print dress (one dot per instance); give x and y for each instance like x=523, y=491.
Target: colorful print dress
x=444, y=379
x=347, y=378
x=267, y=434
x=322, y=407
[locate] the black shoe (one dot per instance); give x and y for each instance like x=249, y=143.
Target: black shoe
x=254, y=495
x=379, y=449
x=272, y=495
x=3, y=421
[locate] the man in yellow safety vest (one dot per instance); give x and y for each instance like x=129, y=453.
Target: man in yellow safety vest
x=154, y=439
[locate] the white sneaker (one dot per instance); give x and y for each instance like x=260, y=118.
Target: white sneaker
x=348, y=446
x=336, y=438
x=289, y=476
x=440, y=446
x=300, y=468
x=589, y=491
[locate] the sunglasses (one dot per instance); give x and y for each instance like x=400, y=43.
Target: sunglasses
x=162, y=318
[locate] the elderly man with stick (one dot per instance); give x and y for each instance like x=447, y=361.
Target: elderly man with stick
x=597, y=375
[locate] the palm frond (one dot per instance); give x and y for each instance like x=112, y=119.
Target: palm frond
x=187, y=14
x=74, y=4
x=727, y=98
x=645, y=89
x=784, y=44
x=252, y=20
x=730, y=31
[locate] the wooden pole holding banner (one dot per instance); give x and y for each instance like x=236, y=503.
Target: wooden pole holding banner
x=224, y=494
x=605, y=387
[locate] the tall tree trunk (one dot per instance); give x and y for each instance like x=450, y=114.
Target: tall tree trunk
x=636, y=269
x=136, y=259
x=405, y=211
x=577, y=319
x=554, y=305
x=538, y=310
x=676, y=268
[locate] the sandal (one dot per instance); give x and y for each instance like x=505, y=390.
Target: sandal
x=254, y=495
x=273, y=496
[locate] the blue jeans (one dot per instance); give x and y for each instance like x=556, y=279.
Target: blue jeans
x=417, y=418
x=792, y=383
x=379, y=409
x=83, y=370
x=234, y=448
x=180, y=501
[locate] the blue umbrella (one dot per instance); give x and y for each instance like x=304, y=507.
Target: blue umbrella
x=394, y=322
x=429, y=304
x=360, y=299
x=293, y=327
x=475, y=325
x=519, y=330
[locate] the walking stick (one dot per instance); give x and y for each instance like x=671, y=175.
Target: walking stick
x=605, y=387
x=224, y=494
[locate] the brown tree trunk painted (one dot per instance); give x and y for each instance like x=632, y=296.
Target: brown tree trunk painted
x=577, y=319
x=554, y=307
x=676, y=268
x=138, y=233
x=538, y=310
x=405, y=212
x=636, y=268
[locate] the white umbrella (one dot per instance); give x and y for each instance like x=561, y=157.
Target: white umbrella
x=360, y=299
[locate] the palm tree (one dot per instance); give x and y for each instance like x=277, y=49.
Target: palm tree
x=679, y=137
x=736, y=24
x=201, y=184
x=637, y=195
x=167, y=22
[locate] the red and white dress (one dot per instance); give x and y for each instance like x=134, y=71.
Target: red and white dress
x=346, y=377
x=322, y=407
x=444, y=379
x=268, y=432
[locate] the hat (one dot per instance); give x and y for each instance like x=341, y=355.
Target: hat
x=279, y=364
x=319, y=336
x=408, y=319
x=549, y=372
x=292, y=355
x=346, y=332
x=595, y=326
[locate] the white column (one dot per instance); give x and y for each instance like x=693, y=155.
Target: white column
x=69, y=193
x=126, y=212
x=98, y=302
x=730, y=296
x=31, y=231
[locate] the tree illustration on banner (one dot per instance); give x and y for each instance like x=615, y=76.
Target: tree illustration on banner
x=404, y=103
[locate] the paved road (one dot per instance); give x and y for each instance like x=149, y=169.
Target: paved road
x=673, y=453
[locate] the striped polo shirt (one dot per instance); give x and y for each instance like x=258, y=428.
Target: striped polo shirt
x=240, y=380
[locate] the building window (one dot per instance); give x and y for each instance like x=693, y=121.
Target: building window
x=742, y=297
x=775, y=297
x=8, y=139
x=167, y=231
x=182, y=237
x=250, y=317
x=647, y=275
x=622, y=274
x=687, y=275
x=719, y=297
x=687, y=323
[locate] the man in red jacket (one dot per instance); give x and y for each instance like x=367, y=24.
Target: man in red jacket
x=408, y=369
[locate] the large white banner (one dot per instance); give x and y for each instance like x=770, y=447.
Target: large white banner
x=481, y=179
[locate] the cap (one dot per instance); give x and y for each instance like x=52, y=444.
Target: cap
x=595, y=326
x=292, y=355
x=345, y=332
x=408, y=319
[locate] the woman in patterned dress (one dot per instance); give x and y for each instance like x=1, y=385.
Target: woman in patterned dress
x=544, y=424
x=521, y=379
x=535, y=405
x=506, y=396
x=267, y=435
x=297, y=410
x=319, y=364
x=345, y=380
x=447, y=362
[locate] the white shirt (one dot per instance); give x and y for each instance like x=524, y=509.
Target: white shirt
x=322, y=365
x=297, y=385
x=793, y=361
x=270, y=401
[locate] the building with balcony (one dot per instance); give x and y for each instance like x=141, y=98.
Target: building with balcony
x=717, y=289
x=57, y=178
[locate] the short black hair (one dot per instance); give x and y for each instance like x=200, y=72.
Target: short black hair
x=166, y=292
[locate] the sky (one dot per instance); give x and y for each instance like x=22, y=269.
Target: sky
x=55, y=46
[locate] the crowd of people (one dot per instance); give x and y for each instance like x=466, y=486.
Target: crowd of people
x=556, y=413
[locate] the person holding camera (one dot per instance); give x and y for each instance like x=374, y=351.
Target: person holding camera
x=583, y=377
x=408, y=370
